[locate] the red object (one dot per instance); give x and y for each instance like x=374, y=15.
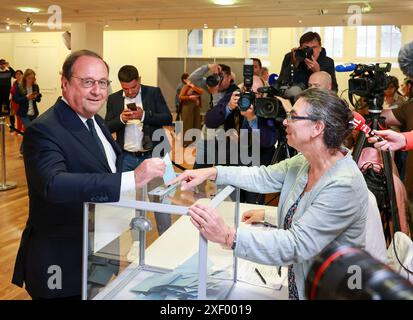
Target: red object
x=360, y=123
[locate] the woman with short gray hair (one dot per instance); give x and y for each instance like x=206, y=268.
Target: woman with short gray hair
x=323, y=196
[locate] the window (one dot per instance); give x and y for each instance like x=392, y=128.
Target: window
x=313, y=29
x=390, y=41
x=258, y=42
x=195, y=42
x=224, y=38
x=333, y=41
x=366, y=41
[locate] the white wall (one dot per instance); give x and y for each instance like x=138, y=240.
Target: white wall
x=44, y=52
x=141, y=49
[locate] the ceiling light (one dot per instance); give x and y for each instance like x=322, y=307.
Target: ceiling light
x=235, y=27
x=28, y=29
x=106, y=26
x=205, y=26
x=29, y=9
x=224, y=2
x=366, y=8
x=7, y=27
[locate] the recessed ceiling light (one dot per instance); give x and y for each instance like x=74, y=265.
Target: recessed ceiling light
x=235, y=27
x=106, y=26
x=7, y=27
x=224, y=2
x=205, y=26
x=29, y=9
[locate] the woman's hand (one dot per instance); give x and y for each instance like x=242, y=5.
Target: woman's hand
x=191, y=178
x=210, y=225
x=255, y=215
x=392, y=140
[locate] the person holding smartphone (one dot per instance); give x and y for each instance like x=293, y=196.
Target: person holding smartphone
x=27, y=96
x=135, y=112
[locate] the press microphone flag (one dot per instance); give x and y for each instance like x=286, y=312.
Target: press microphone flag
x=347, y=67
x=360, y=124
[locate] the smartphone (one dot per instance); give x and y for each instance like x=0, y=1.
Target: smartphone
x=132, y=106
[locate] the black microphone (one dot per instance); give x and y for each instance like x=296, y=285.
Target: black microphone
x=347, y=67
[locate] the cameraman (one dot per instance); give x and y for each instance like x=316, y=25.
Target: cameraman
x=219, y=96
x=302, y=70
x=228, y=114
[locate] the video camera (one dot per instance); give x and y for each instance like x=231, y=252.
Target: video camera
x=370, y=81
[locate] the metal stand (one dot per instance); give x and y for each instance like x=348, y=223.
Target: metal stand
x=282, y=152
x=389, y=211
x=4, y=185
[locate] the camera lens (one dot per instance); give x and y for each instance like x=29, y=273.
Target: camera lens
x=213, y=80
x=329, y=277
x=246, y=99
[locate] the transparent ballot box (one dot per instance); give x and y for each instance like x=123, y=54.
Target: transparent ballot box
x=145, y=246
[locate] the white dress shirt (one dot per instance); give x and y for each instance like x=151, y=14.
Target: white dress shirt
x=134, y=128
x=128, y=178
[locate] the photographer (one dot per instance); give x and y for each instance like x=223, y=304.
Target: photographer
x=310, y=57
x=220, y=85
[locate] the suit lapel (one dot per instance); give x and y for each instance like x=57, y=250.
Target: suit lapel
x=71, y=121
x=143, y=96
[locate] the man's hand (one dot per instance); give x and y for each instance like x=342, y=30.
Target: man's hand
x=233, y=102
x=249, y=114
x=147, y=170
x=215, y=68
x=128, y=114
x=312, y=64
x=137, y=114
x=393, y=140
x=191, y=178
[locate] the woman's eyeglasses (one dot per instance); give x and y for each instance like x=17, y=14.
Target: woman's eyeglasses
x=290, y=117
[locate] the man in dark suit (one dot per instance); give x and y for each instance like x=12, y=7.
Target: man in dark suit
x=135, y=112
x=70, y=158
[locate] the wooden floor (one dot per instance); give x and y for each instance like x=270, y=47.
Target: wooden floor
x=13, y=216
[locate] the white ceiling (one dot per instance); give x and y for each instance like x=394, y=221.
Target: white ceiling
x=184, y=14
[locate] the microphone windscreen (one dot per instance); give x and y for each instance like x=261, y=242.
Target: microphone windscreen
x=293, y=92
x=406, y=59
x=272, y=79
x=347, y=67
